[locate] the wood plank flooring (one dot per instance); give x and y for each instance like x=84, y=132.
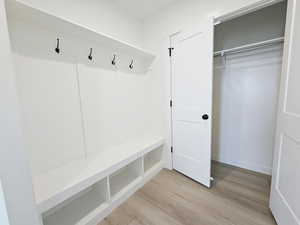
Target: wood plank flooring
x=237, y=197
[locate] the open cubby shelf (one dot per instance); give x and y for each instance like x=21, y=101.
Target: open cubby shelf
x=72, y=212
x=62, y=183
x=85, y=191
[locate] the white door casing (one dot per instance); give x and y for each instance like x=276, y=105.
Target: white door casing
x=192, y=74
x=285, y=191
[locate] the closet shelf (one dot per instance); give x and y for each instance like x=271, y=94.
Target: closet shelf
x=24, y=13
x=62, y=183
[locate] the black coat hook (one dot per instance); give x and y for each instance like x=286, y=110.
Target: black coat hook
x=57, y=50
x=131, y=65
x=90, y=57
x=113, y=62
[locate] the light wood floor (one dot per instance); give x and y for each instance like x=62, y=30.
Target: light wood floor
x=238, y=197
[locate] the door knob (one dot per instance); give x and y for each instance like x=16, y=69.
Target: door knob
x=205, y=117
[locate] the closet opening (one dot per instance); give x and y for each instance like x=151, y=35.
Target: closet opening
x=224, y=87
x=247, y=68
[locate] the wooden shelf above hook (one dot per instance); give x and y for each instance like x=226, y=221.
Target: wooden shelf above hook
x=20, y=12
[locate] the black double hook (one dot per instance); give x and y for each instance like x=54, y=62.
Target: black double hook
x=90, y=57
x=113, y=62
x=131, y=65
x=57, y=50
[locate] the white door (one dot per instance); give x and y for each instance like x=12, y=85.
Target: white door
x=192, y=73
x=285, y=193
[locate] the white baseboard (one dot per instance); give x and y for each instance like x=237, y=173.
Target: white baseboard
x=249, y=166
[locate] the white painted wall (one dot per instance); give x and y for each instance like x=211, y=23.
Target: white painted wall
x=157, y=29
x=14, y=168
x=115, y=107
x=64, y=120
x=51, y=113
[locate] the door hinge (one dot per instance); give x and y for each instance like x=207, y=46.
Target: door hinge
x=171, y=103
x=170, y=51
x=171, y=149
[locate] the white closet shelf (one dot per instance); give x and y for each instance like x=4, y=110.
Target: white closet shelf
x=21, y=12
x=62, y=183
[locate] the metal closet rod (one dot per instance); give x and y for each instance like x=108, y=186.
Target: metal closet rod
x=249, y=46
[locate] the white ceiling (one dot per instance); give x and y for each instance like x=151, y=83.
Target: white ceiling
x=141, y=9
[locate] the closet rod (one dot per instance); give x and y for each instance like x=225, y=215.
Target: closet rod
x=249, y=46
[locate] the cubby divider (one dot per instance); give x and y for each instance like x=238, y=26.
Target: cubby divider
x=152, y=159
x=125, y=176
